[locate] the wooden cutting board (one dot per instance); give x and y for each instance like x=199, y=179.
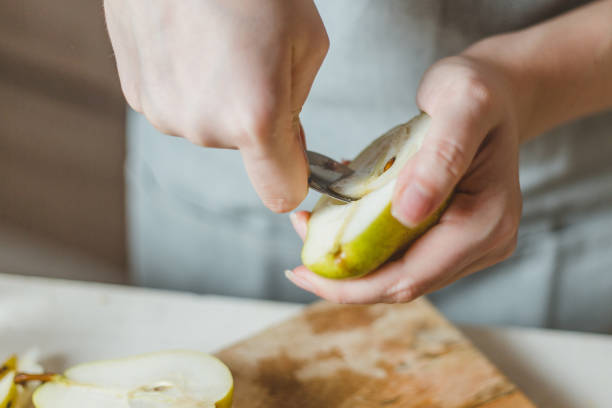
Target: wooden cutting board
x=346, y=356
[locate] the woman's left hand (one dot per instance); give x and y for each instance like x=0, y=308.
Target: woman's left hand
x=472, y=148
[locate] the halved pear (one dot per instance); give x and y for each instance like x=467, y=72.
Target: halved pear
x=175, y=379
x=27, y=363
x=8, y=390
x=12, y=393
x=9, y=365
x=346, y=240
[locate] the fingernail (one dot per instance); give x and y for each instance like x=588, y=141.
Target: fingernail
x=299, y=281
x=414, y=205
x=293, y=217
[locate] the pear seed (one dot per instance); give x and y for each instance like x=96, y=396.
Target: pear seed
x=389, y=164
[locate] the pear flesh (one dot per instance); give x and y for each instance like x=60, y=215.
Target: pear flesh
x=177, y=379
x=346, y=240
x=17, y=395
x=8, y=390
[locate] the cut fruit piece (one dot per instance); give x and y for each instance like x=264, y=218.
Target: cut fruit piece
x=9, y=365
x=176, y=379
x=14, y=393
x=346, y=240
x=27, y=363
x=8, y=390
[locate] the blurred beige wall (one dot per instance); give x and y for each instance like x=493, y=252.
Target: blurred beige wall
x=61, y=127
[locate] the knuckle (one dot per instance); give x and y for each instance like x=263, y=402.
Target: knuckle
x=450, y=156
x=258, y=127
x=510, y=248
x=402, y=292
x=476, y=93
x=133, y=102
x=324, y=44
x=507, y=228
x=259, y=118
x=507, y=250
x=201, y=139
x=157, y=121
x=316, y=42
x=154, y=114
x=131, y=92
x=337, y=296
x=199, y=132
x=449, y=160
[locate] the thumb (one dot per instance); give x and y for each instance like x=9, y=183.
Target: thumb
x=278, y=169
x=447, y=151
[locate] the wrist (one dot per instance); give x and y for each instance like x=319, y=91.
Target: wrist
x=500, y=54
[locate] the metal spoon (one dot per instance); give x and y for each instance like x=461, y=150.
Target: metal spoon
x=324, y=172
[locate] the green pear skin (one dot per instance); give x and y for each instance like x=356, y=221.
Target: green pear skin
x=381, y=240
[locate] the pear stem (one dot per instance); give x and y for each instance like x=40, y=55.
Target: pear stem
x=21, y=378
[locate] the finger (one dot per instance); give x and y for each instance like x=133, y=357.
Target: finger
x=457, y=129
x=299, y=220
x=304, y=69
x=429, y=178
x=278, y=169
x=442, y=252
x=291, y=181
x=363, y=290
x=273, y=152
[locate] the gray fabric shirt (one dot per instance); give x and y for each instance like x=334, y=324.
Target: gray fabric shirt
x=197, y=224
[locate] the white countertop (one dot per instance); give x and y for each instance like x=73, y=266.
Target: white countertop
x=72, y=322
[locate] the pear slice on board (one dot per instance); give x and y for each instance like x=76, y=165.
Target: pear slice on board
x=346, y=240
x=9, y=365
x=175, y=379
x=8, y=390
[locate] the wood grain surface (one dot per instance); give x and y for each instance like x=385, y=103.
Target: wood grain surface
x=348, y=356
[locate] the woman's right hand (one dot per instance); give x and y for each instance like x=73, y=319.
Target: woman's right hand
x=225, y=74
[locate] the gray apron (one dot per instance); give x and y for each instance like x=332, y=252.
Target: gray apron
x=196, y=224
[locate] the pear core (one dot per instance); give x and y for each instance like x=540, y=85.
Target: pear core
x=174, y=379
